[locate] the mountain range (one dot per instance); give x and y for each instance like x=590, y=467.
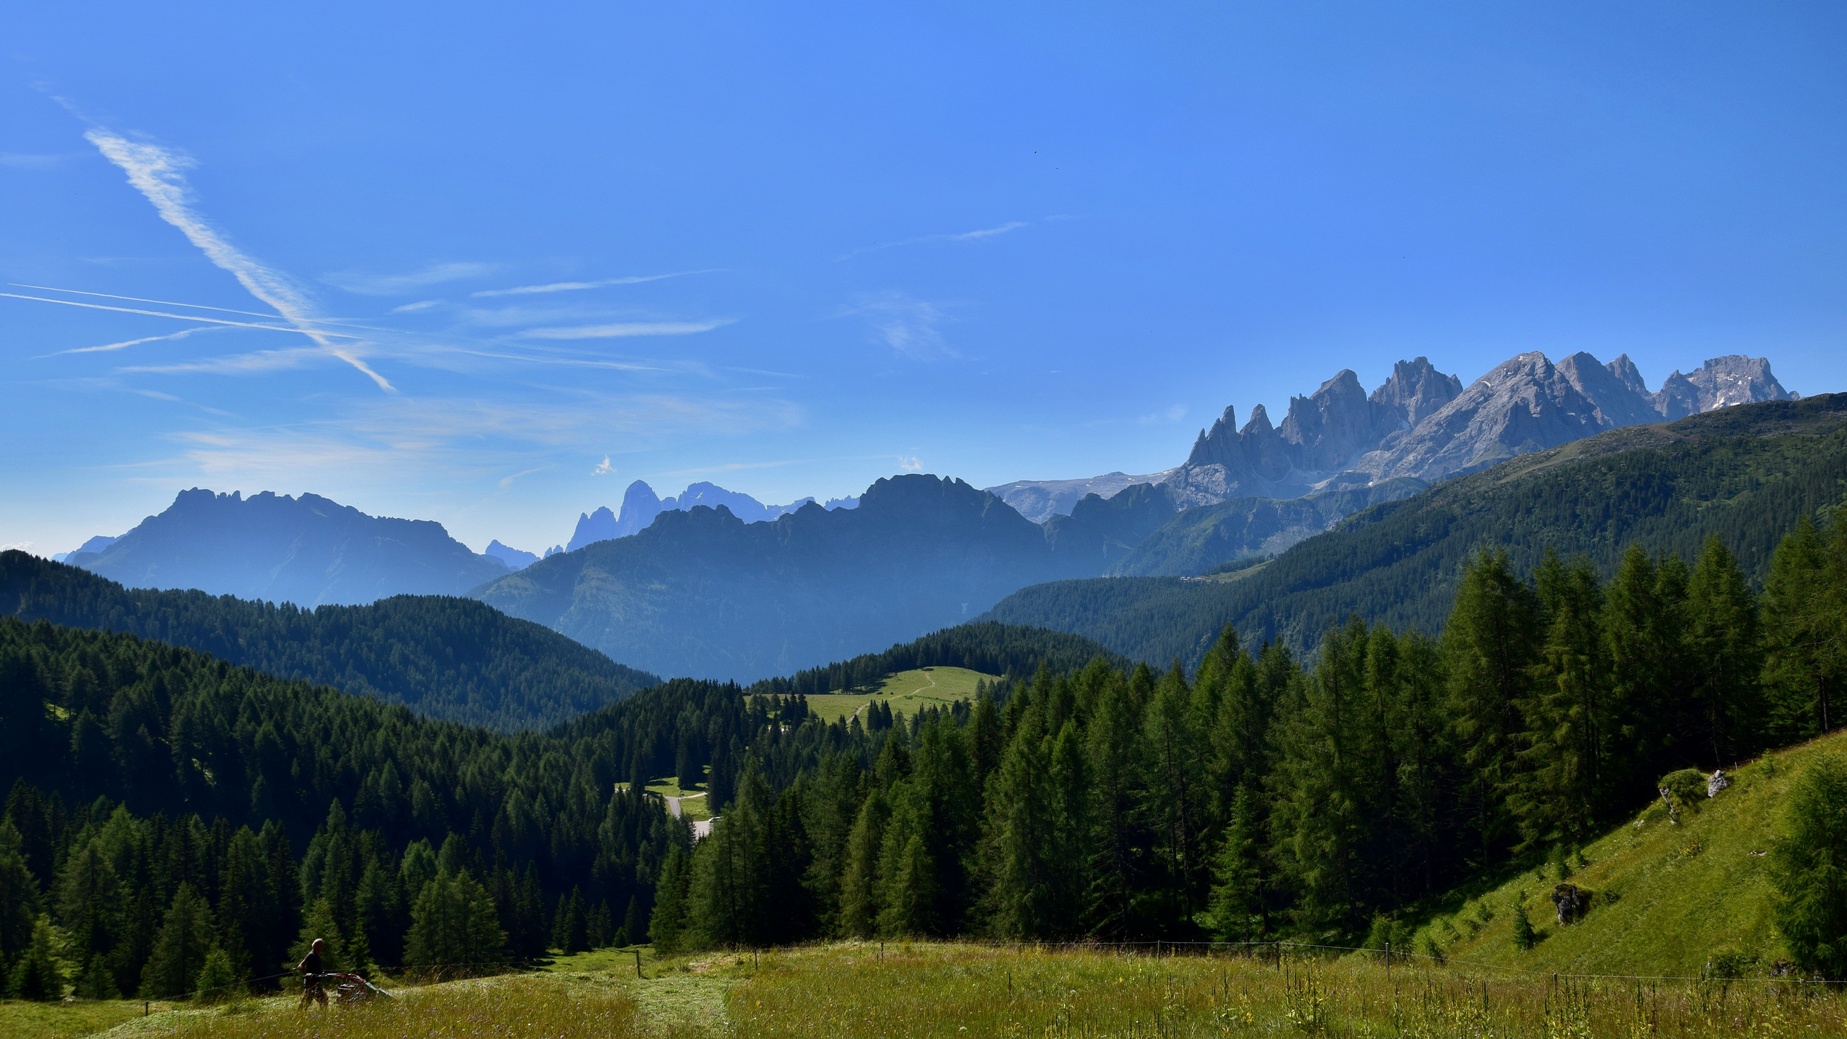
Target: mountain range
x=1424, y=425
x=703, y=593
x=640, y=505
x=1745, y=475
x=712, y=583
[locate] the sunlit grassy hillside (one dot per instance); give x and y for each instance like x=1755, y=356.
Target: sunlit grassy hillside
x=908, y=692
x=1667, y=898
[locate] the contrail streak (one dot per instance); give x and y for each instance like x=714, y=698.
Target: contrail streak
x=176, y=317
x=126, y=343
x=141, y=299
x=156, y=174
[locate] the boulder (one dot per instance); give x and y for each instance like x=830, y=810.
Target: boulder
x=1571, y=902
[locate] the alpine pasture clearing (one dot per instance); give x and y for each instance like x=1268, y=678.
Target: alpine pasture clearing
x=908, y=692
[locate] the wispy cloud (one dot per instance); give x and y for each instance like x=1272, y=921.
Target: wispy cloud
x=158, y=175
x=910, y=463
x=507, y=481
x=38, y=162
x=962, y=236
x=126, y=343
x=621, y=329
x=254, y=363
x=577, y=286
x=1171, y=413
x=905, y=324
x=603, y=468
x=369, y=284
x=412, y=308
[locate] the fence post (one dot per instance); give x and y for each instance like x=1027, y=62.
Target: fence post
x=638, y=963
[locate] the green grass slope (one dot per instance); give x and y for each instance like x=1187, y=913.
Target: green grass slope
x=1666, y=899
x=443, y=657
x=908, y=692
x=1743, y=474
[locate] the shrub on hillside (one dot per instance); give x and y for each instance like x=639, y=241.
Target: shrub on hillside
x=1687, y=788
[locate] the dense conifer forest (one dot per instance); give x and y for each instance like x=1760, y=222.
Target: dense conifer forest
x=169, y=809
x=454, y=659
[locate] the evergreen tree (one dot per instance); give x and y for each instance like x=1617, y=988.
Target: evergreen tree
x=570, y=925
x=218, y=979
x=1118, y=834
x=728, y=905
x=36, y=976
x=1237, y=906
x=1805, y=631
x=381, y=915
x=179, y=949
x=1809, y=870
x=243, y=901
x=1725, y=644
x=1021, y=838
x=318, y=922
x=1562, y=782
x=860, y=881
x=1317, y=819
x=96, y=980
x=1173, y=799
x=1644, y=632
x=667, y=927
x=453, y=928
x=19, y=898
x=1489, y=647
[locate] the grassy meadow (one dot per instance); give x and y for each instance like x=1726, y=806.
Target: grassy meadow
x=955, y=991
x=908, y=692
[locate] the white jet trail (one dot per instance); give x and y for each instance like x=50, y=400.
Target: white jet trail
x=156, y=173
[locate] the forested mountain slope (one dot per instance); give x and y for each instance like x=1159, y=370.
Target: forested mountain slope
x=160, y=801
x=703, y=593
x=1743, y=474
x=443, y=657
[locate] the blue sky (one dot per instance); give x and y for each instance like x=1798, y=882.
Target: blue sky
x=507, y=260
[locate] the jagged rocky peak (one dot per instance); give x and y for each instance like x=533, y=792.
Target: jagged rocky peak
x=1735, y=379
x=1415, y=391
x=1677, y=398
x=1628, y=374
x=1211, y=446
x=1609, y=391
x=1331, y=426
